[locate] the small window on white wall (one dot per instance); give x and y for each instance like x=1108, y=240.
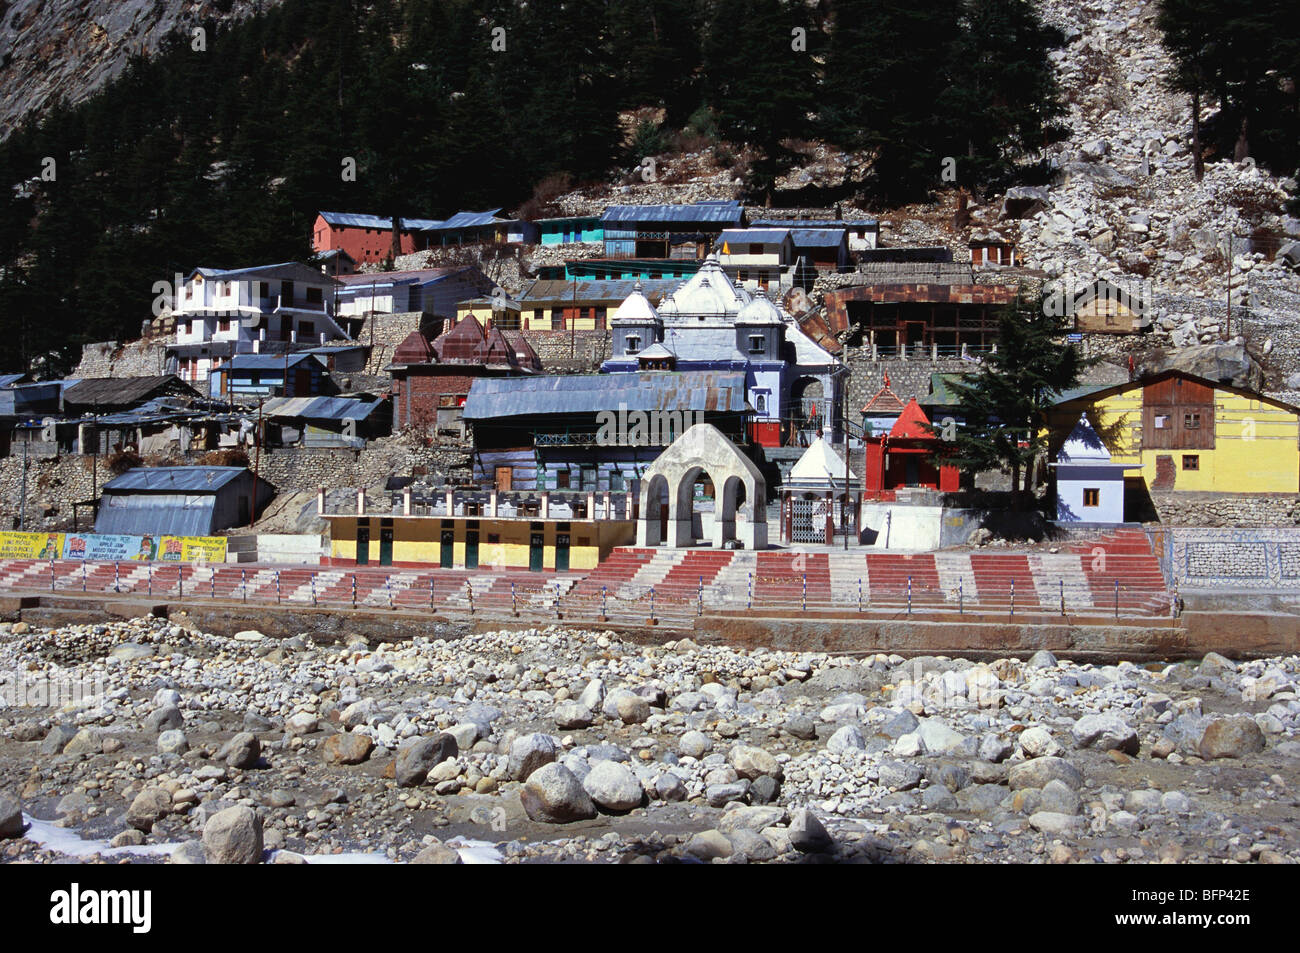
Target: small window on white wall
x=760, y=403
x=1092, y=496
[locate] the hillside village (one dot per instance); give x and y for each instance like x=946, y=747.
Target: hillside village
x=630, y=523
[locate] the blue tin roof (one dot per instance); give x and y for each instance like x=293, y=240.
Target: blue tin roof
x=719, y=392
x=361, y=220
x=719, y=213
x=767, y=236
x=817, y=237
x=266, y=362
x=321, y=408
x=173, y=479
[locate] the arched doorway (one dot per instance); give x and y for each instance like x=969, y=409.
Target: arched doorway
x=809, y=413
x=704, y=458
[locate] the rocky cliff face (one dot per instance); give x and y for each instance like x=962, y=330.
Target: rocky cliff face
x=70, y=48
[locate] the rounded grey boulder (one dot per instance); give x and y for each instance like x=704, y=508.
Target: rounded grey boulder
x=554, y=795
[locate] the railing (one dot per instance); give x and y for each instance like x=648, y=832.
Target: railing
x=672, y=603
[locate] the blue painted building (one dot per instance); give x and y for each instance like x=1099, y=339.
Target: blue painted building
x=710, y=324
x=572, y=229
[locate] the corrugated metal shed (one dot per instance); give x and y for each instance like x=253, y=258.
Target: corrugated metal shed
x=320, y=408
x=716, y=213
x=122, y=391
x=717, y=391
x=190, y=480
x=157, y=515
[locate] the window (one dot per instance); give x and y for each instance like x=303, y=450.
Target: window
x=755, y=248
x=742, y=275
x=1191, y=461
x=1191, y=421
x=562, y=479
x=314, y=296
x=633, y=343
x=1091, y=496
x=760, y=403
x=1162, y=421
x=757, y=344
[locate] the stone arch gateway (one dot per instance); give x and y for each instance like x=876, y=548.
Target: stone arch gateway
x=740, y=493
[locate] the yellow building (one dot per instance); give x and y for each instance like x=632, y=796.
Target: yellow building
x=468, y=542
x=499, y=312
x=1190, y=434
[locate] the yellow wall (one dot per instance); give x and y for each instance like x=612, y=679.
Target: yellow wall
x=419, y=540
x=1256, y=444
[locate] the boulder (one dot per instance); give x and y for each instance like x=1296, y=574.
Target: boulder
x=1234, y=737
x=11, y=816
x=694, y=744
x=751, y=762
x=173, y=742
x=1038, y=772
x=437, y=853
x=528, y=753
x=807, y=834
x=149, y=807
x=1105, y=733
x=347, y=748
x=242, y=751
x=846, y=739
x=233, y=836
x=416, y=758
x=552, y=794
x=614, y=787
x=163, y=719
x=571, y=715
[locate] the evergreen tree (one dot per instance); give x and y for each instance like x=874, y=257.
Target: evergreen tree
x=759, y=81
x=885, y=80
x=1004, y=404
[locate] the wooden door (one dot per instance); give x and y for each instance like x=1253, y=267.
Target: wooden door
x=504, y=476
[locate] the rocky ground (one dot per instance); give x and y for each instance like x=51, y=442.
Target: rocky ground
x=555, y=745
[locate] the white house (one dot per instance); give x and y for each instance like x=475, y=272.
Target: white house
x=1089, y=488
x=757, y=257
x=436, y=291
x=220, y=313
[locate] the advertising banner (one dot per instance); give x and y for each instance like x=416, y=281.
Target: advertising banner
x=31, y=545
x=92, y=546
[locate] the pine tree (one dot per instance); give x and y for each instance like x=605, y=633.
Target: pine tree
x=1004, y=404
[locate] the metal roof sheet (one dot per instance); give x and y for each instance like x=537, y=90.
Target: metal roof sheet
x=716, y=391
x=719, y=212
x=267, y=362
x=320, y=408
x=361, y=220
x=767, y=236
x=817, y=237
x=816, y=223
x=596, y=289
x=153, y=515
x=414, y=276
x=123, y=390
x=173, y=479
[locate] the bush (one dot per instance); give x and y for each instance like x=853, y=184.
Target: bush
x=123, y=460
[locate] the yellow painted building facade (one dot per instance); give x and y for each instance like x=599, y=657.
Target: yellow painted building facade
x=1192, y=435
x=460, y=543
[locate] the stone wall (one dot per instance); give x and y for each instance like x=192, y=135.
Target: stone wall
x=55, y=483
x=142, y=358
x=570, y=352
x=907, y=379
x=1236, y=558
x=1212, y=510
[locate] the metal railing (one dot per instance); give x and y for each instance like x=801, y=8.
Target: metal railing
x=673, y=602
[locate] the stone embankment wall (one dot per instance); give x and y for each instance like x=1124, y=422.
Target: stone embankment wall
x=55, y=483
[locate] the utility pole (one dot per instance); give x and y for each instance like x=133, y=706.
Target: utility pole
x=257, y=461
x=22, y=500
x=1227, y=325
